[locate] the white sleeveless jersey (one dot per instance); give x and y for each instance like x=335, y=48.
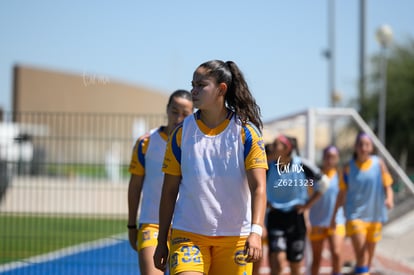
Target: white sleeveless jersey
x=153, y=180
x=214, y=197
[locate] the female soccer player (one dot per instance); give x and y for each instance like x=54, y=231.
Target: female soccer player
x=288, y=182
x=216, y=162
x=320, y=216
x=147, y=178
x=366, y=189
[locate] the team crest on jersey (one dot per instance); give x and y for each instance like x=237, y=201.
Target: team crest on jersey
x=240, y=257
x=146, y=235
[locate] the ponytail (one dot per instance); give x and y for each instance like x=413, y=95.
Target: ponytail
x=238, y=97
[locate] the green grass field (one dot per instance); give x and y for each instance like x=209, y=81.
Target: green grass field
x=83, y=170
x=26, y=236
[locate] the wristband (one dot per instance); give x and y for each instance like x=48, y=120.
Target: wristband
x=256, y=229
x=132, y=226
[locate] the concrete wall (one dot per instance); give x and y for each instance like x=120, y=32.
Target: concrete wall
x=65, y=196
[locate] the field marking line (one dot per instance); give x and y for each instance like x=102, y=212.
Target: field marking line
x=64, y=252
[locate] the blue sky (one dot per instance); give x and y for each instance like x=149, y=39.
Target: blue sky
x=277, y=44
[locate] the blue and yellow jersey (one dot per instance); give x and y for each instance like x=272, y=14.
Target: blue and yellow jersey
x=365, y=195
x=321, y=212
x=287, y=187
x=254, y=153
x=214, y=195
x=137, y=164
x=289, y=184
x=146, y=161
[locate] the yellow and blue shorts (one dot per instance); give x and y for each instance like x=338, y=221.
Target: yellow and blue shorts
x=372, y=230
x=208, y=254
x=319, y=233
x=147, y=235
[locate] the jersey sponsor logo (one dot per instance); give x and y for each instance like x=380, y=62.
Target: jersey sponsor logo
x=259, y=160
x=179, y=240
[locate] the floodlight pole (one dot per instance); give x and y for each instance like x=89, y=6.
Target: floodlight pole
x=330, y=55
x=331, y=41
x=384, y=37
x=382, y=100
x=362, y=108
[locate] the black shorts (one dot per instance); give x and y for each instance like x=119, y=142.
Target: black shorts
x=287, y=232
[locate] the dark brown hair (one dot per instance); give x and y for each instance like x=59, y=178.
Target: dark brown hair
x=238, y=97
x=179, y=93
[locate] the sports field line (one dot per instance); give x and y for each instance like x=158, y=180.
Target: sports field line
x=64, y=252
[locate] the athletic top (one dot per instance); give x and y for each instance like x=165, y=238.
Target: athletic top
x=321, y=212
x=365, y=196
x=214, y=196
x=146, y=160
x=287, y=186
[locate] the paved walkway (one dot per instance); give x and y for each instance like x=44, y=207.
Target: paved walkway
x=394, y=254
x=397, y=244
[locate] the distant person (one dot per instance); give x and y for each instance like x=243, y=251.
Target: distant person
x=270, y=154
x=289, y=180
x=146, y=182
x=366, y=190
x=321, y=213
x=216, y=162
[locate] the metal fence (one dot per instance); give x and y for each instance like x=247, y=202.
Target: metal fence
x=63, y=192
x=69, y=150
x=71, y=170
x=58, y=143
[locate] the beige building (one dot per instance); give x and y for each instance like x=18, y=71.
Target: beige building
x=83, y=118
x=41, y=90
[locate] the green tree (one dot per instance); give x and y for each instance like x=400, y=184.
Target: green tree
x=400, y=101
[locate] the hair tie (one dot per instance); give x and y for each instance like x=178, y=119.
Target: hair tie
x=285, y=141
x=330, y=148
x=361, y=135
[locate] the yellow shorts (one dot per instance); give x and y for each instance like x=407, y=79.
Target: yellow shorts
x=209, y=255
x=372, y=230
x=319, y=233
x=147, y=235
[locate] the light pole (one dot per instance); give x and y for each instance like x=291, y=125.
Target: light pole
x=384, y=37
x=330, y=56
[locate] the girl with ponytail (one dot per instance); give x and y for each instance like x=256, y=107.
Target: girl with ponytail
x=217, y=163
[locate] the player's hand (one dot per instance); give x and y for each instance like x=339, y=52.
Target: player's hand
x=389, y=203
x=308, y=225
x=132, y=236
x=253, y=248
x=301, y=208
x=161, y=256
